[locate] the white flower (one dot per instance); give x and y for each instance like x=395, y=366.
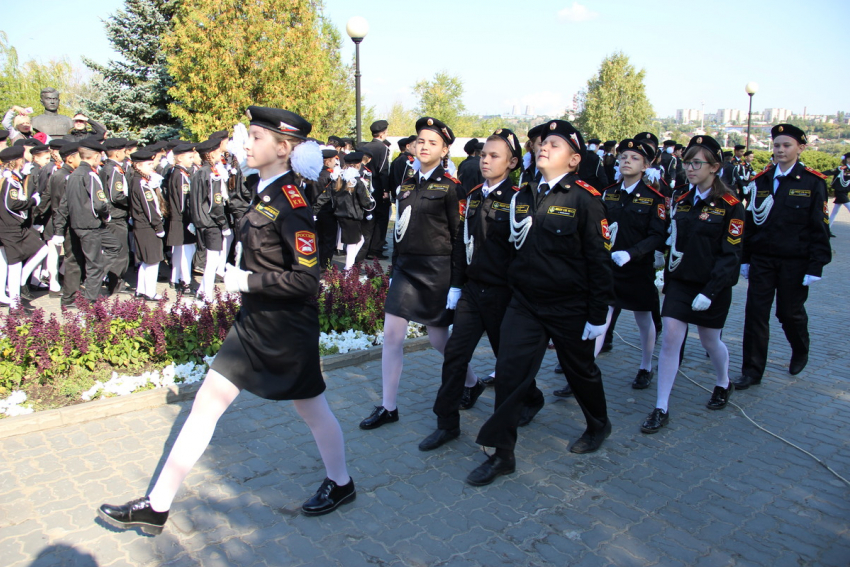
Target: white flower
x=12, y=405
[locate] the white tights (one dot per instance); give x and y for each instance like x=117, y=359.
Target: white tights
x=208, y=281
x=53, y=252
x=647, y=337
x=19, y=273
x=225, y=250
x=835, y=208
x=392, y=359
x=351, y=251
x=4, y=271
x=668, y=361
x=181, y=260
x=146, y=281
x=213, y=398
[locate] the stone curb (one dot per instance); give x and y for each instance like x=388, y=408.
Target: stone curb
x=99, y=409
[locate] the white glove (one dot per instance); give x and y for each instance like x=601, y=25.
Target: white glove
x=56, y=240
x=191, y=228
x=38, y=228
x=130, y=221
x=315, y=218
x=368, y=217
x=592, y=331
x=745, y=271
x=659, y=260
x=701, y=303
x=37, y=198
x=621, y=257
x=225, y=232
x=160, y=234
x=235, y=279
x=26, y=169
x=452, y=299
x=809, y=280
x=223, y=175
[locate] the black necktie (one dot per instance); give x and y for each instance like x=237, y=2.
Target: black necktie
x=543, y=188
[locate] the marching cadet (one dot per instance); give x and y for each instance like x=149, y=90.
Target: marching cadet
x=426, y=260
x=529, y=171
x=401, y=168
x=840, y=189
x=86, y=208
x=352, y=202
x=469, y=172
x=181, y=231
x=117, y=190
x=669, y=162
x=148, y=209
x=742, y=172
x=562, y=287
x=323, y=207
x=44, y=213
x=485, y=294
x=272, y=350
x=786, y=248
x=591, y=170
x=609, y=160
x=707, y=227
x=62, y=237
x=376, y=240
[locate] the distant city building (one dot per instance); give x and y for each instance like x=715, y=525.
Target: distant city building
x=688, y=115
x=726, y=115
x=776, y=114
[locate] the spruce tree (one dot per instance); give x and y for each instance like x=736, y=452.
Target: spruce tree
x=133, y=94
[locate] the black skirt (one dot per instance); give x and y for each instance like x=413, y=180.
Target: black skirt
x=678, y=297
x=272, y=350
x=841, y=197
x=211, y=238
x=20, y=243
x=634, y=287
x=178, y=234
x=420, y=288
x=350, y=230
x=148, y=245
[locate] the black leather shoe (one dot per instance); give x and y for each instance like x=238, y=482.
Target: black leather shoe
x=134, y=513
x=26, y=294
x=590, y=441
x=564, y=392
x=607, y=347
x=558, y=369
x=491, y=469
x=655, y=421
x=743, y=382
x=643, y=379
x=831, y=234
x=439, y=438
x=798, y=363
x=489, y=380
x=329, y=497
x=379, y=417
x=528, y=413
x=720, y=397
x=470, y=395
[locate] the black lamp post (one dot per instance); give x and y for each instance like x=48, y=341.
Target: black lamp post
x=357, y=28
x=751, y=89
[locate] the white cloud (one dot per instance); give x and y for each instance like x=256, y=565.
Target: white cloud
x=576, y=13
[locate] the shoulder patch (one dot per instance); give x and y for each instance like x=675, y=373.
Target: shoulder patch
x=815, y=172
x=516, y=188
x=589, y=187
x=296, y=201
x=474, y=189
x=731, y=199
x=450, y=178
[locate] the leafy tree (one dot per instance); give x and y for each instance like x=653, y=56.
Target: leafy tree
x=226, y=55
x=402, y=120
x=441, y=98
x=132, y=95
x=615, y=105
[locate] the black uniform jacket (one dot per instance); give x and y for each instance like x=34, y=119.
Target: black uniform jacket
x=566, y=256
x=143, y=206
x=709, y=236
x=84, y=203
x=469, y=173
x=179, y=189
x=43, y=211
x=798, y=223
x=380, y=167
x=670, y=165
x=16, y=205
x=279, y=240
x=641, y=221
x=839, y=190
x=352, y=205
x=323, y=188
x=205, y=199
x=434, y=219
x=114, y=183
x=590, y=171
x=487, y=223
x=56, y=187
x=401, y=170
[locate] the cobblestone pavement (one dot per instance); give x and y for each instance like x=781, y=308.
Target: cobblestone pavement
x=710, y=489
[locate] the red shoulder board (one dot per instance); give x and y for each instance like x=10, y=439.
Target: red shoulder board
x=589, y=188
x=474, y=189
x=656, y=191
x=296, y=201
x=612, y=185
x=731, y=199
x=516, y=188
x=450, y=178
x=680, y=198
x=410, y=159
x=762, y=172
x=818, y=173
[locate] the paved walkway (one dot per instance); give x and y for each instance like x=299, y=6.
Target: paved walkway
x=709, y=490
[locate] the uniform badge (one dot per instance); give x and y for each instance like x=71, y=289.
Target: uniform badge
x=217, y=199
x=631, y=144
x=149, y=196
x=497, y=132
x=296, y=201
x=699, y=140
x=430, y=122
x=270, y=212
x=185, y=188
x=120, y=186
x=552, y=126
x=266, y=198
x=101, y=195
x=305, y=242
x=736, y=227
x=13, y=193
x=461, y=206
x=498, y=192
x=606, y=232
x=405, y=195
x=662, y=212
x=703, y=216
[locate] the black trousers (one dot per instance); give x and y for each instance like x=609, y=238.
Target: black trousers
x=100, y=248
x=527, y=328
x=74, y=264
x=480, y=308
x=367, y=228
x=119, y=228
x=781, y=278
x=382, y=222
x=326, y=229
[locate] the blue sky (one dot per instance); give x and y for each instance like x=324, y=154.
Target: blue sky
x=541, y=53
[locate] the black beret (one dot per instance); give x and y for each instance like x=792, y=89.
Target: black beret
x=349, y=141
x=335, y=140
x=3, y=134
x=643, y=148
x=740, y=147
x=643, y=136
x=367, y=152
x=353, y=157
x=142, y=155
x=279, y=120
x=709, y=144
x=220, y=135
x=39, y=149
x=92, y=143
x=668, y=143
x=171, y=144
x=470, y=146
x=404, y=142
x=610, y=144
x=183, y=148
x=513, y=143
x=69, y=149
x=12, y=153
x=789, y=130
x=565, y=130
x=27, y=142
x=115, y=143
x=132, y=143
x=596, y=141
x=747, y=153
x=157, y=146
x=678, y=147
x=329, y=154
x=208, y=146
x=726, y=154
x=57, y=143
x=429, y=123
x=536, y=131
x=379, y=126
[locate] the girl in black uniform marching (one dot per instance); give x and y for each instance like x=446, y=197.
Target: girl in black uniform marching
x=840, y=188
x=351, y=202
x=147, y=209
x=426, y=259
x=181, y=231
x=703, y=266
x=272, y=350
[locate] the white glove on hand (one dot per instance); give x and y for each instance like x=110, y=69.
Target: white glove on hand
x=37, y=198
x=191, y=228
x=701, y=303
x=592, y=331
x=452, y=299
x=621, y=257
x=38, y=228
x=130, y=221
x=160, y=234
x=659, y=260
x=809, y=280
x=368, y=217
x=235, y=279
x=226, y=232
x=26, y=169
x=56, y=240
x=745, y=271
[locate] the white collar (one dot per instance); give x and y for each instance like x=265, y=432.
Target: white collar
x=630, y=189
x=261, y=186
x=487, y=189
x=554, y=182
x=698, y=195
x=427, y=174
x=778, y=173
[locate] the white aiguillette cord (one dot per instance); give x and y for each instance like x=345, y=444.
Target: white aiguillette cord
x=403, y=221
x=519, y=230
x=759, y=213
x=675, y=255
x=468, y=240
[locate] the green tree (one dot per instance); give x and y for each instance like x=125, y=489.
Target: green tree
x=226, y=55
x=442, y=98
x=615, y=105
x=401, y=120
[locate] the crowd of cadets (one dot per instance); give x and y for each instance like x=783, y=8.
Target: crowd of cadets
x=553, y=259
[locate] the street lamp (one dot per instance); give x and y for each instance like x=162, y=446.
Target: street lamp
x=357, y=28
x=751, y=89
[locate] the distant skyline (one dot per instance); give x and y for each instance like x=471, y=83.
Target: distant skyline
x=542, y=55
